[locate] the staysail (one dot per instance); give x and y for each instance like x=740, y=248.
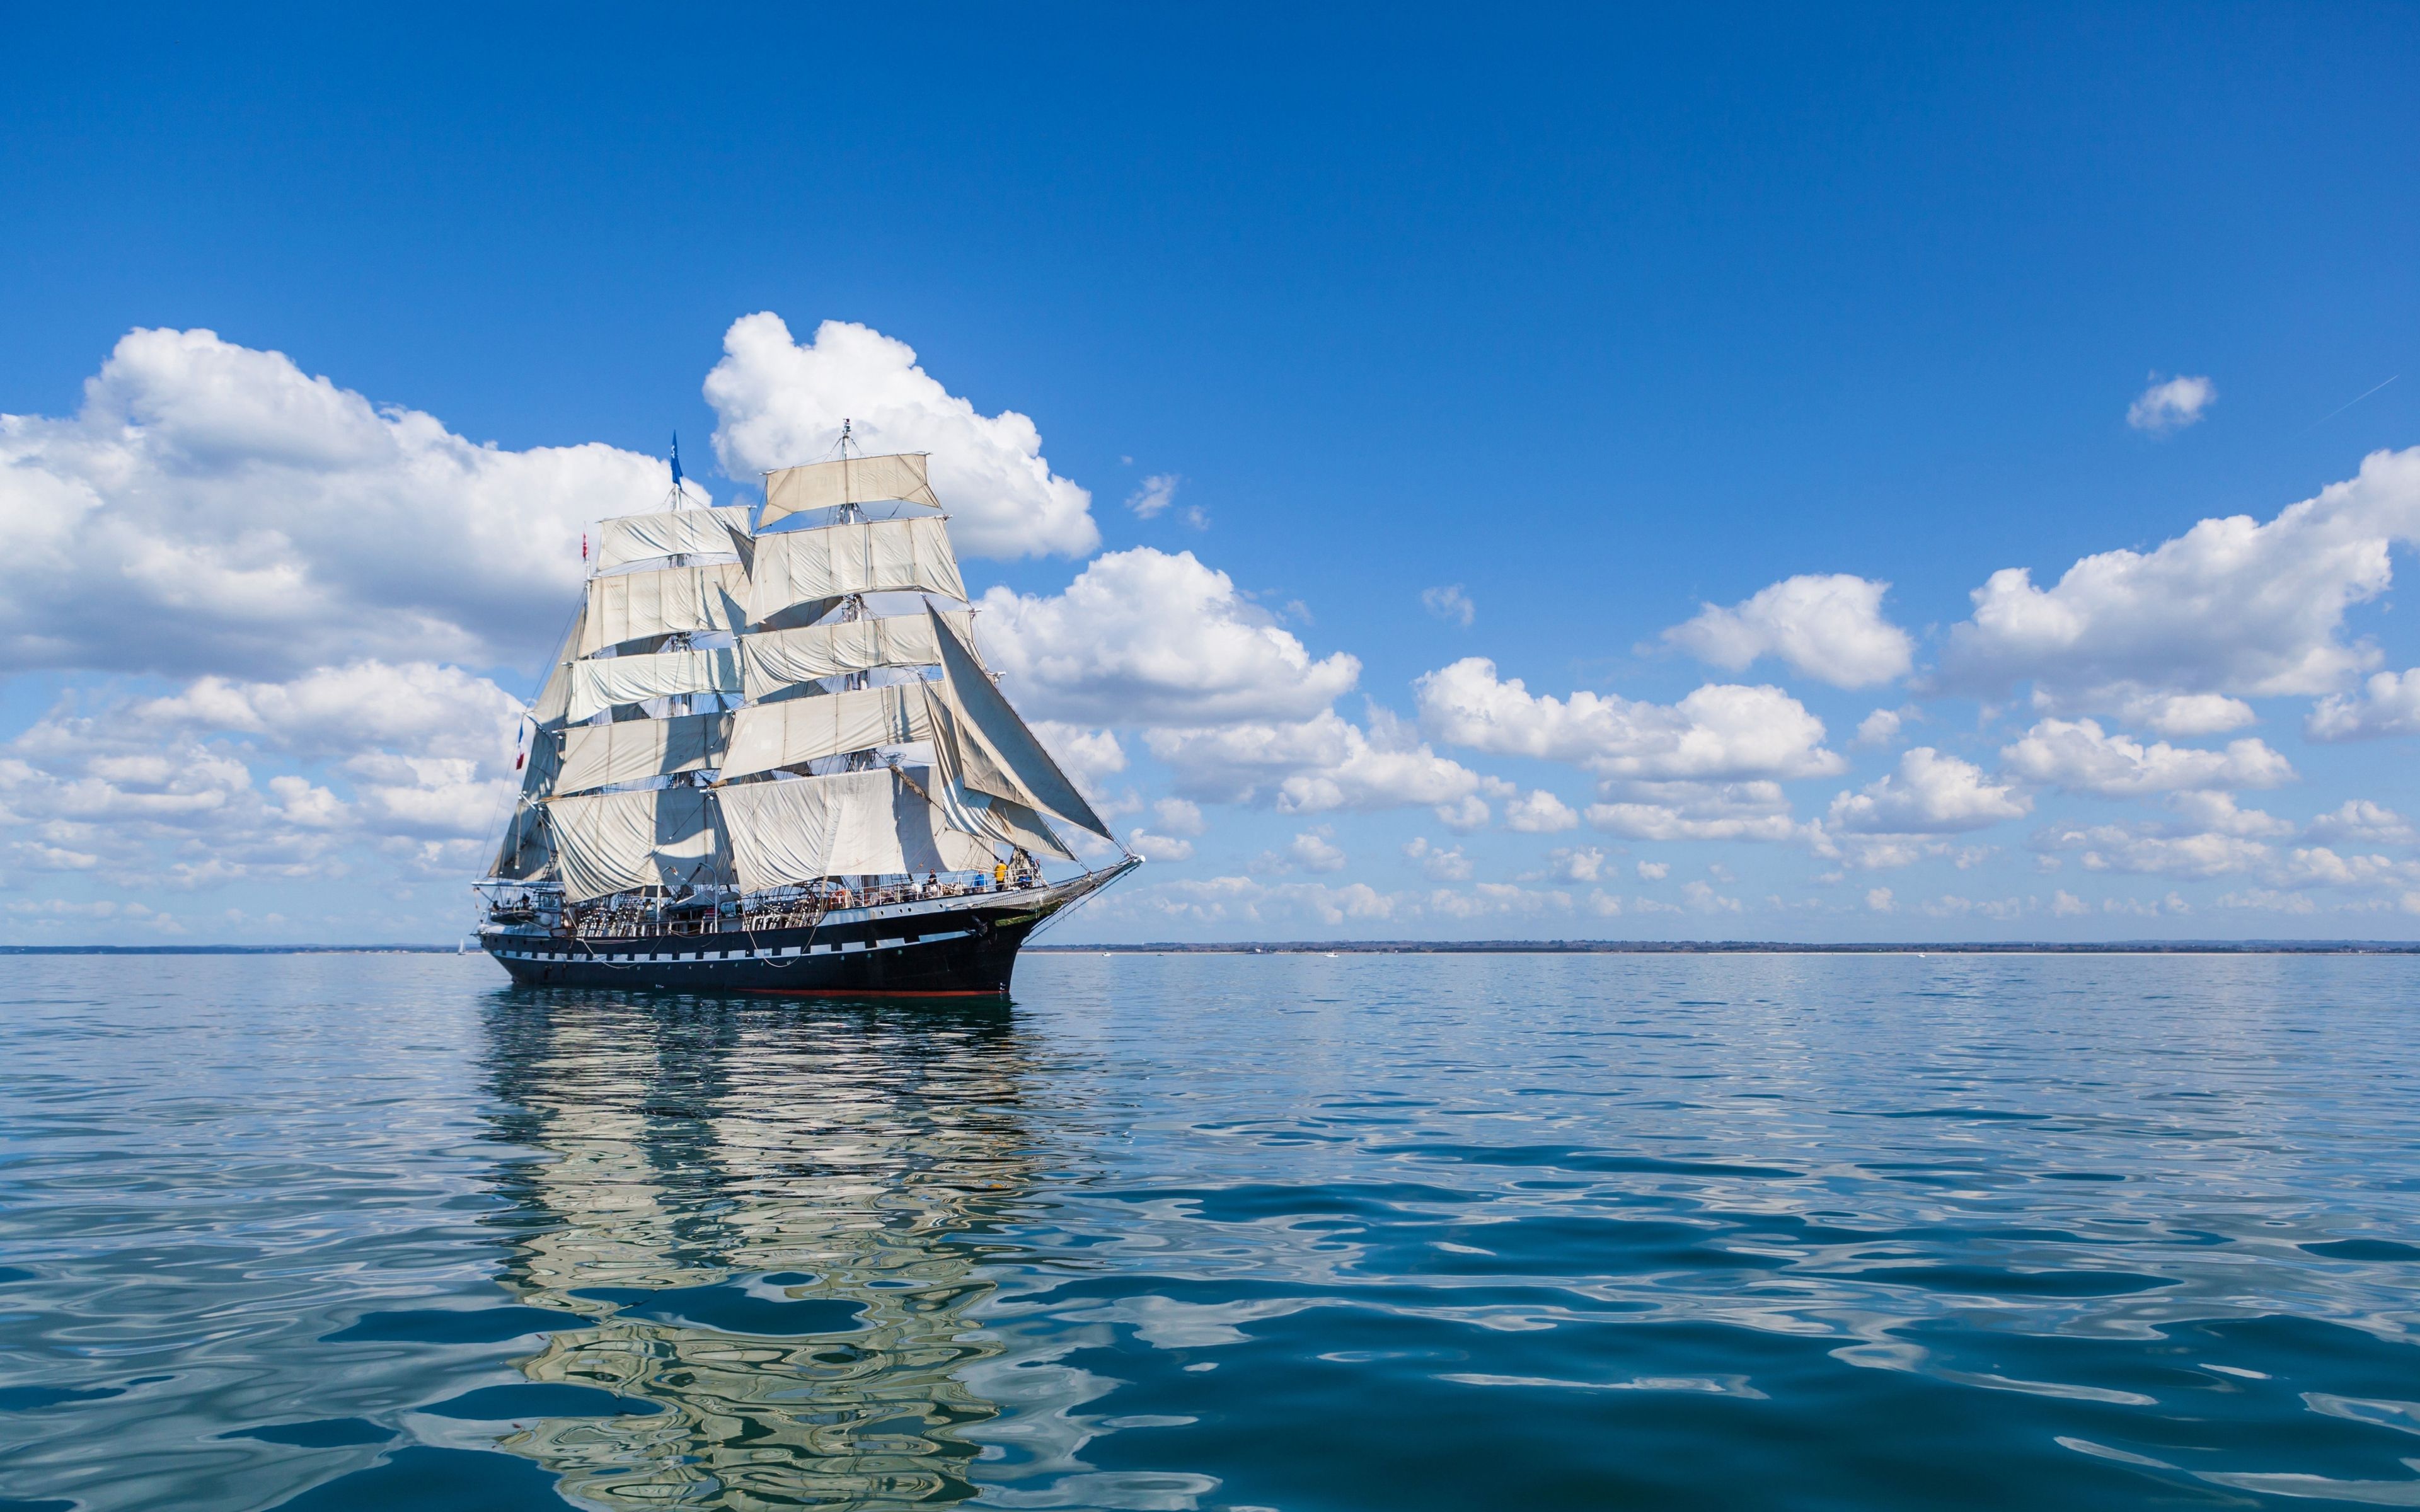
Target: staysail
x=1000, y=756
x=524, y=854
x=553, y=703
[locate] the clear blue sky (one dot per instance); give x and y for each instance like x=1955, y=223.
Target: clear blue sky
x=1600, y=316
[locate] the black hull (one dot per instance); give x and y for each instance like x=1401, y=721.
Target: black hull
x=950, y=948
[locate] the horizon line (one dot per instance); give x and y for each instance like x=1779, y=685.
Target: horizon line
x=1505, y=947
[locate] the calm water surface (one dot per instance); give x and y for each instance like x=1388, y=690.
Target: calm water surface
x=1176, y=1232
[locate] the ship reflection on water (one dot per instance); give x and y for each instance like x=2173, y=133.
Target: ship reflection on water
x=774, y=1222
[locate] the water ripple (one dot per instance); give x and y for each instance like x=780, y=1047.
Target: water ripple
x=1190, y=1232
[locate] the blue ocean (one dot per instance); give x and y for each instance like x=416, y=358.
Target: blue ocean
x=1215, y=1231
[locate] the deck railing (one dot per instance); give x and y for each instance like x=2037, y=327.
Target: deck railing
x=637, y=919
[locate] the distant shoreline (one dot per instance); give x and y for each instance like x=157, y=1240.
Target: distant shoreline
x=226, y=949
x=1748, y=947
x=1451, y=948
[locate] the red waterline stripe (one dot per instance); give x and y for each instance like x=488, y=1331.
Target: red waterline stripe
x=868, y=992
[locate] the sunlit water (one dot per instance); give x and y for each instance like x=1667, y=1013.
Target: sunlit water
x=375, y=1232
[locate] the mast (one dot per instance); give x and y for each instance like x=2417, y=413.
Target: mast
x=714, y=718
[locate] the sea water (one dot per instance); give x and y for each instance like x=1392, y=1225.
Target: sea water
x=376, y=1231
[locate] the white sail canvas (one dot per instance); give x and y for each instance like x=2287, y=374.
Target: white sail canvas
x=609, y=843
x=849, y=823
x=598, y=686
x=631, y=750
x=670, y=533
x=766, y=737
x=852, y=480
x=638, y=605
x=777, y=659
x=882, y=556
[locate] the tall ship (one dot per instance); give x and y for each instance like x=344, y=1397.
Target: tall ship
x=768, y=759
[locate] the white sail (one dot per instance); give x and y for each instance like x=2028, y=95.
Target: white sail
x=960, y=848
x=880, y=556
x=670, y=533
x=987, y=818
x=553, y=703
x=630, y=751
x=849, y=823
x=855, y=480
x=767, y=736
x=608, y=842
x=781, y=658
x=597, y=685
x=997, y=753
x=524, y=855
x=637, y=606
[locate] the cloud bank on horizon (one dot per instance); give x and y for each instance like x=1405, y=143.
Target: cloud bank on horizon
x=281, y=620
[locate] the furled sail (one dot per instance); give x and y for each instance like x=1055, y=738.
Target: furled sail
x=848, y=823
x=670, y=533
x=597, y=685
x=851, y=480
x=767, y=736
x=636, y=605
x=779, y=658
x=631, y=750
x=608, y=842
x=997, y=753
x=880, y=556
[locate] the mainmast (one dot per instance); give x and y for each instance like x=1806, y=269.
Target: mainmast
x=714, y=716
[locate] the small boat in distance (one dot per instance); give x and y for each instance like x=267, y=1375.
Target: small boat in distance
x=768, y=758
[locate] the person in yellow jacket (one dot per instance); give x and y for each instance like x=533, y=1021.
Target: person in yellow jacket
x=999, y=876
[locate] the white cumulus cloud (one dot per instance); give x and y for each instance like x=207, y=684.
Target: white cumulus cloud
x=1450, y=604
x=1880, y=728
x=1445, y=863
x=1324, y=762
x=1829, y=627
x=1144, y=637
x=2232, y=607
x=2364, y=822
x=1698, y=811
x=2171, y=404
x=1931, y=793
x=2185, y=714
x=1540, y=813
x=779, y=402
x=1156, y=493
x=2157, y=853
x=2387, y=705
x=2080, y=757
x=1721, y=731
x=211, y=508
